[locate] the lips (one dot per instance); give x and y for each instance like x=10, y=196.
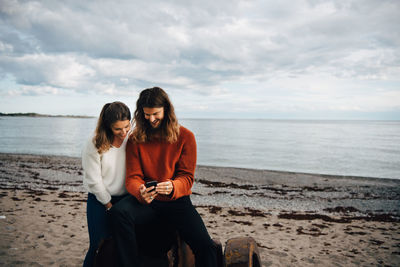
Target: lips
x=122, y=137
x=155, y=123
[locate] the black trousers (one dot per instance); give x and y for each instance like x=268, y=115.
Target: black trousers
x=179, y=215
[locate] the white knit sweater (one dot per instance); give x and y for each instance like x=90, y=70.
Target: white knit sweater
x=104, y=174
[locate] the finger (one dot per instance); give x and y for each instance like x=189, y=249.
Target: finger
x=142, y=189
x=161, y=190
x=164, y=187
x=149, y=189
x=151, y=197
x=169, y=187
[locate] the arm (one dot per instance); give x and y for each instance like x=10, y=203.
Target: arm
x=134, y=173
x=185, y=167
x=92, y=178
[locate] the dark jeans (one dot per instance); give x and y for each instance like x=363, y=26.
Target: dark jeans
x=99, y=225
x=179, y=215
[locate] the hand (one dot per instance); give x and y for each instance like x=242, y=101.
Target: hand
x=146, y=194
x=165, y=188
x=108, y=206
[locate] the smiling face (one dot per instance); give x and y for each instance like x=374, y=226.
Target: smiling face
x=154, y=116
x=120, y=129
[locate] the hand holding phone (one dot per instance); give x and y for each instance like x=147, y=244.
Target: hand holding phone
x=150, y=184
x=165, y=188
x=148, y=194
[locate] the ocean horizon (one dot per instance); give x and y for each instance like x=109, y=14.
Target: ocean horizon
x=333, y=147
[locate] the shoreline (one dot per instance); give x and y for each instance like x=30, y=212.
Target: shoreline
x=295, y=218
x=38, y=115
x=229, y=187
x=279, y=172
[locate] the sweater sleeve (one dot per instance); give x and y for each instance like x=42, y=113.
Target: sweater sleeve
x=185, y=167
x=91, y=163
x=134, y=173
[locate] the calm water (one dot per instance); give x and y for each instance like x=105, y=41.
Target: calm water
x=360, y=148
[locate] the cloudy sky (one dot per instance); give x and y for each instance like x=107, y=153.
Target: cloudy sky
x=216, y=59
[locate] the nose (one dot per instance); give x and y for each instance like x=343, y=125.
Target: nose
x=152, y=118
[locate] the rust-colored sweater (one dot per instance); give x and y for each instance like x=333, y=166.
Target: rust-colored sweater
x=161, y=161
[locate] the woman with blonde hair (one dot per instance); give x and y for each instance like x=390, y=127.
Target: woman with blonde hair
x=103, y=162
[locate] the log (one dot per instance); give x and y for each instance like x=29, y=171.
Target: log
x=242, y=252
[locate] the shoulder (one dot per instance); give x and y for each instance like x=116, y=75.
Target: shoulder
x=90, y=149
x=89, y=146
x=131, y=138
x=185, y=133
x=131, y=142
x=89, y=153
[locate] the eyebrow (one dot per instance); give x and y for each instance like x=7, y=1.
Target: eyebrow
x=122, y=127
x=152, y=113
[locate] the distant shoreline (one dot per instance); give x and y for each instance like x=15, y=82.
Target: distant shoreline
x=36, y=115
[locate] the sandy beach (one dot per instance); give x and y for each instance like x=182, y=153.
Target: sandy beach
x=297, y=219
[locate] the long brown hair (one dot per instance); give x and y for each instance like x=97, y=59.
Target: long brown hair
x=110, y=113
x=155, y=98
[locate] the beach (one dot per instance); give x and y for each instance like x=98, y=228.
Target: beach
x=297, y=219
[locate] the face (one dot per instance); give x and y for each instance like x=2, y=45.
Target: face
x=121, y=128
x=154, y=116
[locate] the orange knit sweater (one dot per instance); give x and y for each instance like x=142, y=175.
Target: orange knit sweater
x=161, y=161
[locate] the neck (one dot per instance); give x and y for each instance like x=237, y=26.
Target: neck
x=117, y=142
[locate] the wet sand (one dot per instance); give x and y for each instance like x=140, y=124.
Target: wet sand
x=297, y=219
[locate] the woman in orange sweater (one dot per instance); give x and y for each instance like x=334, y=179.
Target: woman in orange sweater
x=160, y=150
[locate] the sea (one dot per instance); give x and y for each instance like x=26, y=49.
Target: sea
x=346, y=148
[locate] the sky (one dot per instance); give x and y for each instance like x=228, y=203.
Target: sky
x=288, y=59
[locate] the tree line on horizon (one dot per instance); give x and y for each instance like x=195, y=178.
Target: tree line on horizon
x=33, y=114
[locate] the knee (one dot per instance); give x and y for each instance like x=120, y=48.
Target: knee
x=122, y=213
x=117, y=214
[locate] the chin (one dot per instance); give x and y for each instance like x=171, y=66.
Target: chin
x=155, y=126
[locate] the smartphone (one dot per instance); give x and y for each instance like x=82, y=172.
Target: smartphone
x=150, y=184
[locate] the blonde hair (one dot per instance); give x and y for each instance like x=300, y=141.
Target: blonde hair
x=155, y=98
x=110, y=113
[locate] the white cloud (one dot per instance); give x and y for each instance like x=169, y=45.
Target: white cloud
x=284, y=56
x=64, y=71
